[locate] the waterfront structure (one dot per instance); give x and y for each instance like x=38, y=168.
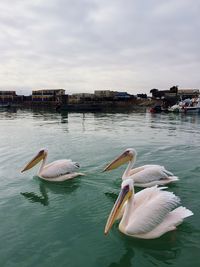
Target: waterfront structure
x=99, y=100
x=188, y=93
x=43, y=95
x=80, y=97
x=7, y=96
x=175, y=92
x=104, y=93
x=122, y=96
x=99, y=95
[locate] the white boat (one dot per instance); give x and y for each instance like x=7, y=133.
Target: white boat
x=187, y=106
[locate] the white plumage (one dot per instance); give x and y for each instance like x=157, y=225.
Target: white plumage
x=144, y=176
x=149, y=175
x=59, y=170
x=149, y=213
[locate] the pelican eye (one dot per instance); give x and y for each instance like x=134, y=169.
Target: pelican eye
x=77, y=165
x=126, y=188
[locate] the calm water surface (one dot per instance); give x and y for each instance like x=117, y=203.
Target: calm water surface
x=62, y=224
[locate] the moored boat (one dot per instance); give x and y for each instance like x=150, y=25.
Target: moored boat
x=186, y=106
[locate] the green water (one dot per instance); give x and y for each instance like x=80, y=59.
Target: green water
x=62, y=224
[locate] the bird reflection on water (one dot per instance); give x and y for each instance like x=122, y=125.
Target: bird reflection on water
x=33, y=197
x=66, y=187
x=156, y=251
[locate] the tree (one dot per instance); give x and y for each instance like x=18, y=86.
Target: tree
x=174, y=89
x=154, y=92
x=142, y=96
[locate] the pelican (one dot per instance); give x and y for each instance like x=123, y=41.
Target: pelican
x=144, y=176
x=147, y=214
x=59, y=170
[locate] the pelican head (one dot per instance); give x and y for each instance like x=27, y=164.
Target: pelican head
x=125, y=193
x=42, y=154
x=126, y=156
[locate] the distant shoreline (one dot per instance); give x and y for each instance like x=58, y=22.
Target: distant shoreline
x=104, y=106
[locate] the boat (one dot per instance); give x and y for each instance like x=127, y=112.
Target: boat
x=158, y=109
x=186, y=106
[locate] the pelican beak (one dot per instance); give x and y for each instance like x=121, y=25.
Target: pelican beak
x=41, y=154
x=124, y=194
x=123, y=158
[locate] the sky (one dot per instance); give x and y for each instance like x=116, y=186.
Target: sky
x=87, y=45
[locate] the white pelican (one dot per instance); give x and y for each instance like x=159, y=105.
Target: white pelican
x=144, y=176
x=59, y=170
x=147, y=214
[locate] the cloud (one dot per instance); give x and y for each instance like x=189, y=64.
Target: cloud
x=83, y=45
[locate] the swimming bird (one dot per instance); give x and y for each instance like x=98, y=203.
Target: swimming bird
x=59, y=170
x=147, y=214
x=144, y=176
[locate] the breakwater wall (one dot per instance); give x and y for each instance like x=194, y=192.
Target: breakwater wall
x=95, y=106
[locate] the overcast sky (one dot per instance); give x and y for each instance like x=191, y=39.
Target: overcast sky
x=85, y=45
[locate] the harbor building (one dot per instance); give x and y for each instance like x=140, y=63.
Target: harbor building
x=7, y=96
x=174, y=92
x=47, y=95
x=188, y=93
x=104, y=93
x=80, y=97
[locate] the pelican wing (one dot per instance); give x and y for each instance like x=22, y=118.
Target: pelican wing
x=151, y=206
x=151, y=173
x=141, y=168
x=59, y=168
